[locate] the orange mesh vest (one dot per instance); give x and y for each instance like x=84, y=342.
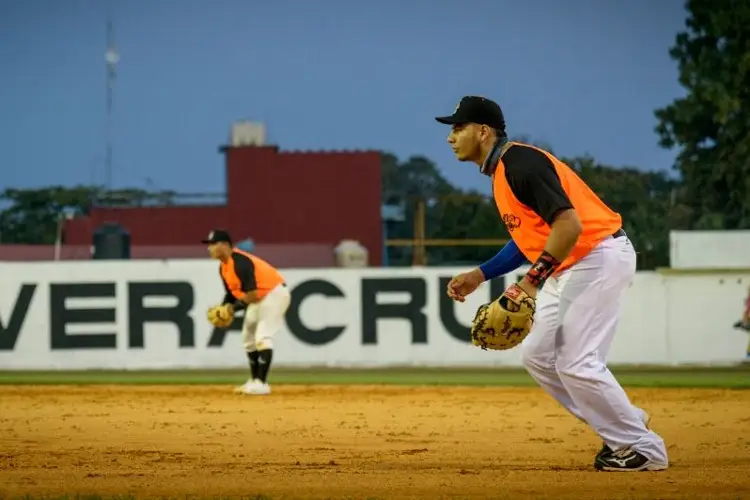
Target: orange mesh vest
x=530, y=232
x=267, y=277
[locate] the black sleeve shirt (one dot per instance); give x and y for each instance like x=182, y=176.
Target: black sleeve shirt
x=534, y=181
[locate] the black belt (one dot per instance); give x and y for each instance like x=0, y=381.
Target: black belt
x=619, y=233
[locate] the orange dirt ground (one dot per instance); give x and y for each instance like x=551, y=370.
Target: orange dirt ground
x=355, y=442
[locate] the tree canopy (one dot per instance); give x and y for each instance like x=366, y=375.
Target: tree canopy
x=710, y=125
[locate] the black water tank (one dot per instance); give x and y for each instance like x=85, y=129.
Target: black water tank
x=111, y=241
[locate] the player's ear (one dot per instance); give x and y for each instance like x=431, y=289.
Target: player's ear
x=484, y=132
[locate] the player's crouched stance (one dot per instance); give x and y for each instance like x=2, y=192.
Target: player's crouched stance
x=255, y=286
x=565, y=311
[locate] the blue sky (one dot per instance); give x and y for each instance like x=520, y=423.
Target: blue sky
x=582, y=75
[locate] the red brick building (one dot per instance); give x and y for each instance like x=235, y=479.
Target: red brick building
x=273, y=197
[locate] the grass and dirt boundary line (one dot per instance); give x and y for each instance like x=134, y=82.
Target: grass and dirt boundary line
x=725, y=377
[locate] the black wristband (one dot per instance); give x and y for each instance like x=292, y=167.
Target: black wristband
x=542, y=269
x=238, y=305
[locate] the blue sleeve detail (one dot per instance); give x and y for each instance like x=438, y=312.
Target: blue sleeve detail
x=508, y=259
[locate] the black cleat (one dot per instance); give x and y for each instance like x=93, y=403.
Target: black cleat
x=627, y=460
x=606, y=449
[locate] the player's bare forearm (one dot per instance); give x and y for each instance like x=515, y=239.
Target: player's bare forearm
x=566, y=229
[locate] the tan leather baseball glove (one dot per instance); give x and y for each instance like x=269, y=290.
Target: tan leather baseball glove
x=221, y=316
x=503, y=323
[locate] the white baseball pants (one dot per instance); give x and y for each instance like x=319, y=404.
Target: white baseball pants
x=565, y=352
x=264, y=319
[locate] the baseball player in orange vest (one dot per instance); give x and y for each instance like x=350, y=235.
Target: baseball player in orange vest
x=256, y=286
x=582, y=264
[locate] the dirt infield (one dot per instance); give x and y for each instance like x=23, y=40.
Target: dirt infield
x=354, y=442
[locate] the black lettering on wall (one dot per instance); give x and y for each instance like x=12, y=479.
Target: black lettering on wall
x=61, y=316
x=448, y=310
x=411, y=311
x=294, y=322
x=9, y=333
x=218, y=335
x=178, y=314
x=447, y=314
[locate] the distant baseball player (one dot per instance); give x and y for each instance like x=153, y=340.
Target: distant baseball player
x=744, y=324
x=255, y=286
x=582, y=263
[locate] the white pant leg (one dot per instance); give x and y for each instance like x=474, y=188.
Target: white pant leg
x=249, y=327
x=589, y=311
x=271, y=316
x=539, y=349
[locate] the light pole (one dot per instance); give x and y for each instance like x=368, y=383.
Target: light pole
x=112, y=58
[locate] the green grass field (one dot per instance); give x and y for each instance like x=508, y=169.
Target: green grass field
x=734, y=377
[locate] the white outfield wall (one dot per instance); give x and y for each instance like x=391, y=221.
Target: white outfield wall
x=151, y=314
x=709, y=249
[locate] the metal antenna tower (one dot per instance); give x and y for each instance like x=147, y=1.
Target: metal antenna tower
x=111, y=57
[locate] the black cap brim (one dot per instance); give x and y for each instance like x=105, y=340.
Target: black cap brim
x=449, y=120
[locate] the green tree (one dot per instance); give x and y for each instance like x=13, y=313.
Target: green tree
x=404, y=184
x=450, y=212
x=466, y=215
x=710, y=125
x=32, y=215
x=647, y=201
x=415, y=177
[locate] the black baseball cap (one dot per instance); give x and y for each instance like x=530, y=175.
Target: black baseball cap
x=476, y=109
x=217, y=236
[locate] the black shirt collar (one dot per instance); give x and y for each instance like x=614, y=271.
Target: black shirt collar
x=490, y=163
